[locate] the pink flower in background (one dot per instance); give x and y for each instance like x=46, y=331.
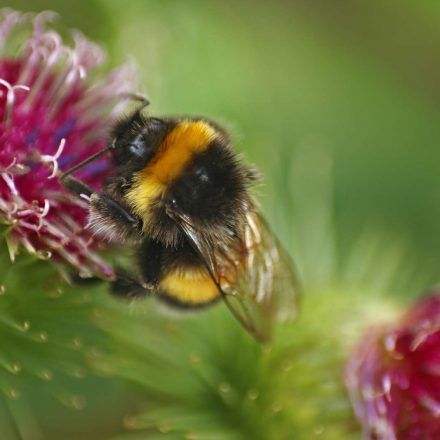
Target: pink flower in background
x=54, y=112
x=394, y=377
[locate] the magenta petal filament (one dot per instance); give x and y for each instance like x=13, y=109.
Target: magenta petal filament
x=394, y=377
x=55, y=111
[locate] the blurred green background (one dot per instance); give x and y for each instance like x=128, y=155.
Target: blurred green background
x=338, y=104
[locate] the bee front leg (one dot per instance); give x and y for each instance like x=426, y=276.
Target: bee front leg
x=107, y=217
x=110, y=220
x=75, y=185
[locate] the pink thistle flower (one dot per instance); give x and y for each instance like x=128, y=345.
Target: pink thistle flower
x=394, y=377
x=52, y=116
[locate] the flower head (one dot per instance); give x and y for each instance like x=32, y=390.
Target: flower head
x=394, y=377
x=52, y=116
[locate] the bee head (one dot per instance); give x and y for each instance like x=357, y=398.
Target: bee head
x=136, y=139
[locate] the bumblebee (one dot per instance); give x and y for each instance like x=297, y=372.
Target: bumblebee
x=182, y=197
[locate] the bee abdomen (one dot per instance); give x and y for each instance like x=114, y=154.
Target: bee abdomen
x=189, y=287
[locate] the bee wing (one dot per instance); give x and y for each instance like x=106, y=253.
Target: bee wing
x=254, y=273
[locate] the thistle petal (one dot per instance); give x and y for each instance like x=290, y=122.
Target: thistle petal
x=394, y=377
x=54, y=112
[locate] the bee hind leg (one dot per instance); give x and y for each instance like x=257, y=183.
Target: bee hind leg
x=149, y=257
x=126, y=286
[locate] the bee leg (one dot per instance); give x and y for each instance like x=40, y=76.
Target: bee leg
x=75, y=185
x=149, y=259
x=105, y=211
x=101, y=204
x=128, y=287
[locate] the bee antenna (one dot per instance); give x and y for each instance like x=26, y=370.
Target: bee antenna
x=87, y=161
x=144, y=102
x=137, y=97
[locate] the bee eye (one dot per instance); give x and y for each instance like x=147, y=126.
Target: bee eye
x=136, y=149
x=139, y=148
